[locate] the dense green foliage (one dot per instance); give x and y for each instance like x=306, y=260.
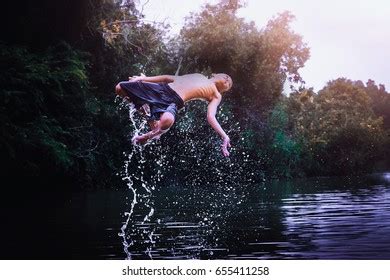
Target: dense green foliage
x=338, y=128
x=60, y=121
x=52, y=126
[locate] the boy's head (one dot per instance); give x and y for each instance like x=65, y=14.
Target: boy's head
x=223, y=82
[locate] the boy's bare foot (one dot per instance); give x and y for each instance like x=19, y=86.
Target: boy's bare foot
x=144, y=110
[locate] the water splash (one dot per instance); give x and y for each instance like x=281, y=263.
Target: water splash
x=141, y=190
x=203, y=174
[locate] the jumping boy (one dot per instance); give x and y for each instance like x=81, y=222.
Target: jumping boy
x=160, y=97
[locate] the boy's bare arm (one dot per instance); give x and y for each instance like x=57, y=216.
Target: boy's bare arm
x=153, y=79
x=211, y=112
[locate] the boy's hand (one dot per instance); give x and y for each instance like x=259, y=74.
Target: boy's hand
x=137, y=78
x=225, y=145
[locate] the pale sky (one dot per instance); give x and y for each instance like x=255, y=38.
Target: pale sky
x=347, y=38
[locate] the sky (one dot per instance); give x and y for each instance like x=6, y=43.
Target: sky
x=347, y=38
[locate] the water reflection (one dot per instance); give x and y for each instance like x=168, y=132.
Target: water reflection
x=326, y=218
x=319, y=218
x=340, y=225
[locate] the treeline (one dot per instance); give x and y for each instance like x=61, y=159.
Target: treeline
x=343, y=129
x=60, y=124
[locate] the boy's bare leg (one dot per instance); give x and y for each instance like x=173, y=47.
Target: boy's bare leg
x=155, y=127
x=160, y=127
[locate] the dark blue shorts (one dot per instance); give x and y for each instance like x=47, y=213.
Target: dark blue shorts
x=159, y=96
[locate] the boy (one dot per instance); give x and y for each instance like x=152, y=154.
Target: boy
x=160, y=97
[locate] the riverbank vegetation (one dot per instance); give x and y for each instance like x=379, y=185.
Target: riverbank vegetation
x=60, y=123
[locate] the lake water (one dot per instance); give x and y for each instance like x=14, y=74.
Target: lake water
x=317, y=218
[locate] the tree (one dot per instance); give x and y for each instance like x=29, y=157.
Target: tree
x=338, y=128
x=259, y=61
x=121, y=43
x=380, y=100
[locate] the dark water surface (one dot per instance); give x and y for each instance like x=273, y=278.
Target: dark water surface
x=318, y=218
